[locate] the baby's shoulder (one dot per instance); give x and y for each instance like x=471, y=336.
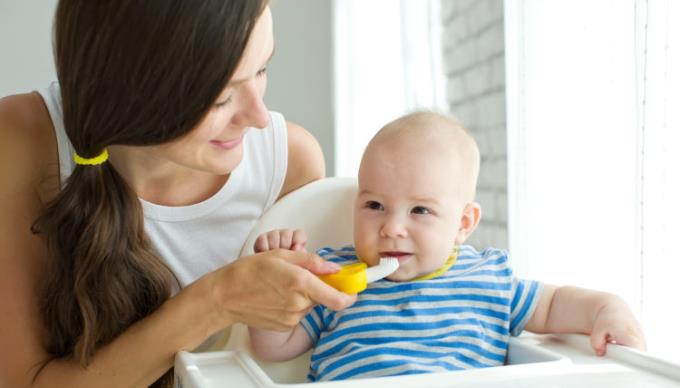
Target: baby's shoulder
x=469, y=258
x=343, y=255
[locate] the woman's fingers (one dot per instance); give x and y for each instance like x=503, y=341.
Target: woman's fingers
x=275, y=289
x=311, y=262
x=322, y=293
x=310, y=285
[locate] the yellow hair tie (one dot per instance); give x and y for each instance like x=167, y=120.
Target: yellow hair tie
x=97, y=160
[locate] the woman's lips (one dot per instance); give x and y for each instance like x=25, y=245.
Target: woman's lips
x=227, y=145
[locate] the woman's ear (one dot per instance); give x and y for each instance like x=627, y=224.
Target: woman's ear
x=468, y=221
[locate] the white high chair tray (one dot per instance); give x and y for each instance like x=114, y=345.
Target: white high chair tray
x=564, y=361
x=533, y=361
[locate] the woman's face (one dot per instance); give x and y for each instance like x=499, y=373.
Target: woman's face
x=215, y=145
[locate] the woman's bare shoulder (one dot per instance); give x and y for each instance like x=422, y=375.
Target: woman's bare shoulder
x=305, y=159
x=28, y=146
x=27, y=157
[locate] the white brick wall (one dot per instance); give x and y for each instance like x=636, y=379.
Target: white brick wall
x=474, y=61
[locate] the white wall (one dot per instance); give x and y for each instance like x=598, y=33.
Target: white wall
x=301, y=72
x=474, y=60
x=26, y=61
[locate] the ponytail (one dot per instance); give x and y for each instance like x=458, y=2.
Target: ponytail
x=103, y=275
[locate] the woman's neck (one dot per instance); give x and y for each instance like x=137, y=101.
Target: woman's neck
x=161, y=181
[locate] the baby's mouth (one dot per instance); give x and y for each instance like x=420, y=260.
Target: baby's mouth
x=399, y=255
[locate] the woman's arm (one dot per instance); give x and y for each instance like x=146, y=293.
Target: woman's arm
x=143, y=352
x=305, y=159
x=264, y=291
x=603, y=316
x=270, y=290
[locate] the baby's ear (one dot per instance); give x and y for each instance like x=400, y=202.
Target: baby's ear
x=468, y=221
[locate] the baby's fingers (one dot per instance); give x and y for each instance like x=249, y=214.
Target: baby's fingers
x=598, y=341
x=299, y=240
x=631, y=338
x=636, y=342
x=261, y=244
x=286, y=239
x=273, y=239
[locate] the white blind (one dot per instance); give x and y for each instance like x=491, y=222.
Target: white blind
x=660, y=227
x=387, y=62
x=593, y=176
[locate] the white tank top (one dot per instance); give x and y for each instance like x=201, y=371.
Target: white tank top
x=197, y=239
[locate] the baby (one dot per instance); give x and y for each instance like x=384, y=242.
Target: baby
x=448, y=306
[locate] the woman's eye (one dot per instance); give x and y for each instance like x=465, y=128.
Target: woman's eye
x=223, y=103
x=421, y=210
x=261, y=72
x=373, y=205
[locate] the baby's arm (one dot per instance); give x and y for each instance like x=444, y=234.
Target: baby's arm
x=271, y=345
x=605, y=317
x=279, y=346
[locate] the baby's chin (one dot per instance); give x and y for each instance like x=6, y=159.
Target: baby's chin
x=400, y=276
x=405, y=274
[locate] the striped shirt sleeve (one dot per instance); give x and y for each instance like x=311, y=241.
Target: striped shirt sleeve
x=525, y=296
x=313, y=323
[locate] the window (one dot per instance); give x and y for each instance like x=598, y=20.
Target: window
x=593, y=90
x=387, y=63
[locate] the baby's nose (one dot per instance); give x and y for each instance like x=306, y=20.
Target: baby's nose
x=394, y=228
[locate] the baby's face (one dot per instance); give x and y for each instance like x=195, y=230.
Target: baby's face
x=409, y=207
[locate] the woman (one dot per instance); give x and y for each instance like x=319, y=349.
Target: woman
x=128, y=189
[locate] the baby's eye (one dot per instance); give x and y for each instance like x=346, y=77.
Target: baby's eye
x=373, y=205
x=421, y=210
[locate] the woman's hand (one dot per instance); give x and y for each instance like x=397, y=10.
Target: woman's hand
x=293, y=239
x=275, y=289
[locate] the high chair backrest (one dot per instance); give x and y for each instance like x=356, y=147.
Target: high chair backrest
x=323, y=209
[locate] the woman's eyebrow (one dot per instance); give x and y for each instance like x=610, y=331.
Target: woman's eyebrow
x=238, y=81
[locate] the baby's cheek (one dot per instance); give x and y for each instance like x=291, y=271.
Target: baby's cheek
x=364, y=252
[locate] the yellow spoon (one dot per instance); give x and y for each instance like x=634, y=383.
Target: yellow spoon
x=354, y=278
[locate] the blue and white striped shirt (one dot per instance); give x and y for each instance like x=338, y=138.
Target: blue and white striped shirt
x=459, y=320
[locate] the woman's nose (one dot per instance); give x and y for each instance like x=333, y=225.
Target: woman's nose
x=252, y=111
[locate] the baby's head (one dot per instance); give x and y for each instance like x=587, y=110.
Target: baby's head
x=416, y=193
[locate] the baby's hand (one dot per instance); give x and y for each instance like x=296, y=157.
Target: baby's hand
x=294, y=240
x=615, y=323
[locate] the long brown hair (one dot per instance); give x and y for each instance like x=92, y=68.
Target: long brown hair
x=131, y=73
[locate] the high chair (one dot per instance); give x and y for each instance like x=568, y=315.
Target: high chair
x=324, y=210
